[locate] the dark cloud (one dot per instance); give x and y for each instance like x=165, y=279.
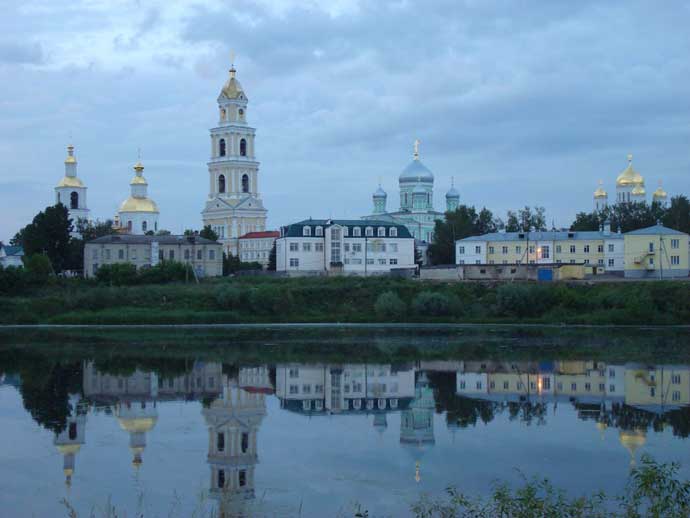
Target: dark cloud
x=21, y=53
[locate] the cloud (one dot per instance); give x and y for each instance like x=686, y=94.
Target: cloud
x=21, y=53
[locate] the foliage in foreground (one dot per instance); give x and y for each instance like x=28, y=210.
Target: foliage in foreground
x=653, y=490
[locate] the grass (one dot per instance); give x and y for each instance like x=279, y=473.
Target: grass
x=348, y=299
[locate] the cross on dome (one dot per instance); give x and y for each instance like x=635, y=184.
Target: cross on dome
x=416, y=149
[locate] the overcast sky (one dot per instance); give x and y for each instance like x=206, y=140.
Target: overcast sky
x=523, y=102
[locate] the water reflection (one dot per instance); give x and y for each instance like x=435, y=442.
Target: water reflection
x=629, y=397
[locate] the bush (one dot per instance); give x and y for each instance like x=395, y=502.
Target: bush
x=12, y=280
x=119, y=274
x=389, y=305
x=524, y=300
x=271, y=299
x=164, y=272
x=230, y=297
x=431, y=304
x=38, y=268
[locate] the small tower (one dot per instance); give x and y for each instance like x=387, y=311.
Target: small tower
x=452, y=197
x=601, y=198
x=138, y=213
x=380, y=198
x=660, y=196
x=630, y=185
x=71, y=191
x=70, y=440
x=137, y=418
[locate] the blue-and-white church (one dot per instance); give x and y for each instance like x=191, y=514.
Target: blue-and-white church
x=416, y=210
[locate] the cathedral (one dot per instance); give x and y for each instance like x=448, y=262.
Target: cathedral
x=233, y=207
x=416, y=210
x=630, y=188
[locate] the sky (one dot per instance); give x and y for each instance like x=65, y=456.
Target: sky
x=522, y=102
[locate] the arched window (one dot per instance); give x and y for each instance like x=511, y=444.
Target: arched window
x=74, y=200
x=155, y=226
x=319, y=231
x=393, y=232
x=59, y=199
x=243, y=147
x=222, y=114
x=306, y=231
x=72, y=431
x=221, y=146
x=143, y=226
x=245, y=183
x=382, y=231
x=369, y=232
x=221, y=183
x=357, y=232
x=129, y=226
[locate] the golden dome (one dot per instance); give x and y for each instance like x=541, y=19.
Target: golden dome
x=137, y=424
x=70, y=160
x=600, y=192
x=632, y=440
x=638, y=190
x=66, y=449
x=660, y=193
x=68, y=472
x=629, y=176
x=133, y=204
x=232, y=88
x=70, y=181
x=138, y=180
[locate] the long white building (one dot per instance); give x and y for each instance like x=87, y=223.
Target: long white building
x=360, y=247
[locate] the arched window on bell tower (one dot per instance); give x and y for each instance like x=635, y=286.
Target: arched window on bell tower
x=221, y=146
x=74, y=200
x=221, y=184
x=243, y=147
x=245, y=183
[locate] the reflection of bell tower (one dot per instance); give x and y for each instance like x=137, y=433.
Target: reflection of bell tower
x=233, y=422
x=417, y=422
x=69, y=442
x=137, y=418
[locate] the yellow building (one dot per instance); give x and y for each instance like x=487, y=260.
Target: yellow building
x=656, y=387
x=656, y=252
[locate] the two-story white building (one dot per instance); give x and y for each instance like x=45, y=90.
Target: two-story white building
x=255, y=247
x=362, y=247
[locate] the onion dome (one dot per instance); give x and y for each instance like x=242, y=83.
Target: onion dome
x=232, y=88
x=380, y=193
x=632, y=440
x=137, y=424
x=138, y=201
x=600, y=192
x=416, y=171
x=629, y=176
x=660, y=194
x=70, y=179
x=638, y=190
x=452, y=192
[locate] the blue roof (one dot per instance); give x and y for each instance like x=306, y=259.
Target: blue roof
x=13, y=250
x=655, y=231
x=547, y=235
x=416, y=172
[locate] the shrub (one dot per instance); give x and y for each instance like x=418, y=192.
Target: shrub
x=12, y=280
x=38, y=269
x=230, y=297
x=119, y=274
x=271, y=299
x=166, y=271
x=432, y=304
x=389, y=305
x=524, y=300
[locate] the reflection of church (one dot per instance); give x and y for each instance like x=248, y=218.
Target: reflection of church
x=70, y=440
x=233, y=421
x=417, y=422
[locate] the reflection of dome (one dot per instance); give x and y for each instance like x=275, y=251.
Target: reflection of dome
x=629, y=176
x=65, y=449
x=416, y=172
x=137, y=424
x=632, y=440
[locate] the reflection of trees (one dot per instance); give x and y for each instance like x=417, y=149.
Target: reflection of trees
x=126, y=366
x=527, y=412
x=462, y=411
x=630, y=418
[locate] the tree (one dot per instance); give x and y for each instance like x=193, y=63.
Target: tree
x=49, y=234
x=458, y=224
x=88, y=230
x=630, y=216
x=208, y=233
x=526, y=219
x=162, y=232
x=272, y=259
x=677, y=215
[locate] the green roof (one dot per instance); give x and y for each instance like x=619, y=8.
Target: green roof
x=295, y=229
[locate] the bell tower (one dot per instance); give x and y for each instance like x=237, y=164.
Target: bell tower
x=234, y=206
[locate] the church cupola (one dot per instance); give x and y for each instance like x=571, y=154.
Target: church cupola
x=415, y=174
x=380, y=198
x=630, y=185
x=452, y=197
x=71, y=191
x=601, y=198
x=138, y=213
x=660, y=196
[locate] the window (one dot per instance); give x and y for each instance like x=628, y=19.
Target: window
x=393, y=232
x=369, y=232
x=611, y=262
x=545, y=252
x=381, y=232
x=651, y=261
x=319, y=232
x=357, y=247
x=612, y=388
x=600, y=249
x=198, y=255
x=491, y=249
x=478, y=249
x=346, y=247
x=245, y=183
x=94, y=254
x=370, y=261
x=531, y=249
x=318, y=247
x=462, y=385
x=186, y=254
x=600, y=262
x=356, y=232
x=675, y=379
x=651, y=247
x=120, y=254
x=382, y=261
x=611, y=247
x=221, y=478
x=586, y=249
x=318, y=405
x=74, y=200
x=129, y=226
x=675, y=243
x=612, y=373
x=572, y=249
x=306, y=404
x=586, y=261
x=220, y=442
x=294, y=262
x=675, y=260
x=335, y=245
x=588, y=387
x=294, y=372
x=461, y=250
x=506, y=385
x=318, y=389
x=306, y=247
x=221, y=147
x=294, y=389
x=143, y=226
x=602, y=387
x=306, y=231
x=652, y=392
x=242, y=477
x=504, y=250
x=211, y=255
x=573, y=387
x=221, y=183
x=393, y=261
x=559, y=249
x=518, y=249
x=107, y=253
x=676, y=395
x=479, y=385
x=306, y=389
x=294, y=247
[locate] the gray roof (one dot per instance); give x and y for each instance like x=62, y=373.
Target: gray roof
x=548, y=235
x=380, y=193
x=452, y=193
x=655, y=231
x=416, y=172
x=12, y=250
x=131, y=239
x=295, y=229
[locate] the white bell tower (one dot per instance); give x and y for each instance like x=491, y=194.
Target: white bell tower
x=71, y=191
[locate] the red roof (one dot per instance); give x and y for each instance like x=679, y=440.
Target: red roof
x=259, y=235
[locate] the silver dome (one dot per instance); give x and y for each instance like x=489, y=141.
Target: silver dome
x=416, y=172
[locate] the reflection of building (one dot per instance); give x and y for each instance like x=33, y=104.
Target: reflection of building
x=137, y=418
x=417, y=422
x=321, y=389
x=69, y=441
x=233, y=422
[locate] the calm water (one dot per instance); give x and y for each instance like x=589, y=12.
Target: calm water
x=270, y=426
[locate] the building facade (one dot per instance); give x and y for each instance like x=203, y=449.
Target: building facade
x=257, y=246
x=602, y=249
x=363, y=247
x=234, y=206
x=138, y=214
x=71, y=190
x=205, y=256
x=656, y=252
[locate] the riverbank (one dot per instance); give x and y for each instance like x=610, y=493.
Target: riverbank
x=351, y=300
